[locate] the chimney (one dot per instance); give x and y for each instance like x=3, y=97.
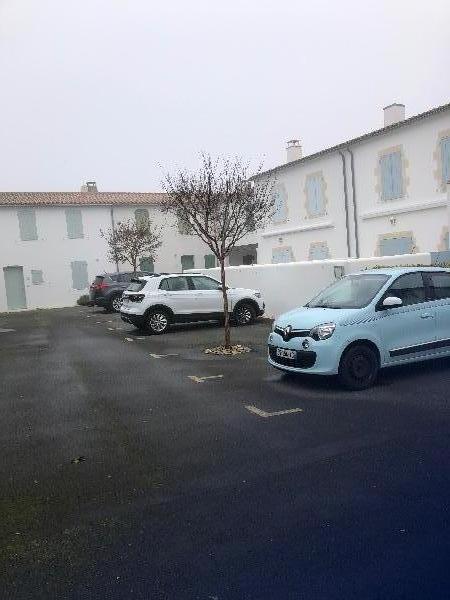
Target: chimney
x=394, y=113
x=89, y=186
x=293, y=150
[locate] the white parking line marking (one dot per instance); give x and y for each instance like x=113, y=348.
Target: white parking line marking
x=127, y=339
x=110, y=329
x=203, y=379
x=6, y=330
x=266, y=415
x=161, y=355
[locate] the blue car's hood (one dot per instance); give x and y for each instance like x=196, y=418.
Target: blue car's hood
x=306, y=318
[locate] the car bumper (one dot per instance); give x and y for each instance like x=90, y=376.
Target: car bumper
x=320, y=357
x=136, y=320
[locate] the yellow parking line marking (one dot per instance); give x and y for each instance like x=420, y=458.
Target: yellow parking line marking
x=161, y=355
x=266, y=415
x=203, y=379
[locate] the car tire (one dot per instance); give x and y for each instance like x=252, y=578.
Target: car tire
x=115, y=303
x=158, y=321
x=359, y=367
x=244, y=314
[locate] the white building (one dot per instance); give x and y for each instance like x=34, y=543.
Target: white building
x=383, y=193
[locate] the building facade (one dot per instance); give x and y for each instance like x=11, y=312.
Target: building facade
x=383, y=193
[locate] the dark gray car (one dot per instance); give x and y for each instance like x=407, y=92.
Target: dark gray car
x=106, y=290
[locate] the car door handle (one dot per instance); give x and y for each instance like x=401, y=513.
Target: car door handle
x=426, y=316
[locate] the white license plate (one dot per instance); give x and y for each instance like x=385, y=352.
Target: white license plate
x=283, y=353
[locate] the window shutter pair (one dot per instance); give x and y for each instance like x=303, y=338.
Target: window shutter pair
x=27, y=224
x=314, y=196
x=280, y=207
x=445, y=157
x=281, y=255
x=79, y=274
x=391, y=176
x=74, y=222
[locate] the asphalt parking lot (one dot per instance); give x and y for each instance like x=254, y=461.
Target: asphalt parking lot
x=139, y=467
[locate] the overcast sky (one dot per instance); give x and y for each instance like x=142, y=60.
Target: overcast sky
x=107, y=90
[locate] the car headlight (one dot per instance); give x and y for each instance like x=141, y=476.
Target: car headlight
x=322, y=332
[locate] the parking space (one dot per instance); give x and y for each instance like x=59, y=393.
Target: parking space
x=137, y=466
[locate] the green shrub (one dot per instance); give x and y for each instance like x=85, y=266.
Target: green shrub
x=83, y=300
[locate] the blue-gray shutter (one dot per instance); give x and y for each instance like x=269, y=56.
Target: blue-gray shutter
x=281, y=255
x=210, y=261
x=319, y=252
x=314, y=194
x=187, y=262
x=79, y=274
x=394, y=246
x=280, y=208
x=36, y=277
x=391, y=176
x=74, y=223
x=141, y=215
x=386, y=177
x=445, y=156
x=27, y=224
x=146, y=264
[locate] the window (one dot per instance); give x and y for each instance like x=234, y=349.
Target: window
x=141, y=216
x=210, y=261
x=37, y=277
x=319, y=251
x=441, y=284
x=315, y=200
x=27, y=224
x=409, y=288
x=279, y=205
x=74, y=223
x=146, y=264
x=353, y=291
x=79, y=274
x=282, y=255
x=391, y=176
x=187, y=262
x=391, y=246
x=136, y=286
x=174, y=284
x=445, y=158
x=205, y=283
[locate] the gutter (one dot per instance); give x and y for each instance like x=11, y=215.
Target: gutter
x=344, y=175
x=355, y=212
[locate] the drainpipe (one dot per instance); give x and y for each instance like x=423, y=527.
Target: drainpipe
x=113, y=225
x=344, y=175
x=355, y=212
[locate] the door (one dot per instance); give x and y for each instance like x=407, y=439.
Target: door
x=209, y=299
x=440, y=287
x=178, y=296
x=409, y=330
x=15, y=288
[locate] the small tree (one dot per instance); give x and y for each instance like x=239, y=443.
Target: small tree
x=220, y=204
x=130, y=240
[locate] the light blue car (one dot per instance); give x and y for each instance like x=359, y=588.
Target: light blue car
x=366, y=321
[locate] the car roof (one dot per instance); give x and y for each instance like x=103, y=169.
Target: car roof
x=165, y=275
x=402, y=270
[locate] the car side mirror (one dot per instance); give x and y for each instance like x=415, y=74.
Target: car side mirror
x=392, y=302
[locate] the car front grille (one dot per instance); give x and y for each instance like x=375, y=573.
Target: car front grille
x=304, y=359
x=293, y=333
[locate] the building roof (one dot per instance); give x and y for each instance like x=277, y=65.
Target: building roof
x=80, y=198
x=361, y=138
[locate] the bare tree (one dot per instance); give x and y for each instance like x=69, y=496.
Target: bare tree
x=130, y=240
x=220, y=204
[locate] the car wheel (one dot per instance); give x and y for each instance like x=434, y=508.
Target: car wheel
x=116, y=303
x=158, y=321
x=244, y=314
x=359, y=367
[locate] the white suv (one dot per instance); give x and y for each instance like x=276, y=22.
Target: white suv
x=154, y=302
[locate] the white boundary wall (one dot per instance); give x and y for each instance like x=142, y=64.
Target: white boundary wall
x=288, y=285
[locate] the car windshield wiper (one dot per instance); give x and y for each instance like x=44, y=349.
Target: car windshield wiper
x=323, y=305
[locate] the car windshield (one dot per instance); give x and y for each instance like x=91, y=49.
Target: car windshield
x=353, y=291
x=136, y=285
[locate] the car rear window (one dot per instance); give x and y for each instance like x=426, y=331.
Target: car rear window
x=136, y=285
x=98, y=279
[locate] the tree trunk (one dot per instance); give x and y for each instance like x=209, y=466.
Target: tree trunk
x=227, y=333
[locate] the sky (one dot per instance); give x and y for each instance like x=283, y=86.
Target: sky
x=120, y=91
